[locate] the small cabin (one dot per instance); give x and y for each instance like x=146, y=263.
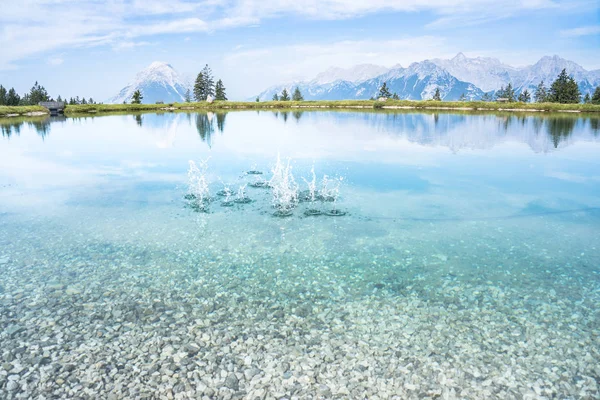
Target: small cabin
x=502, y=100
x=55, y=107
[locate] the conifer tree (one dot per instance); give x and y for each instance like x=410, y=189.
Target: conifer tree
x=384, y=91
x=59, y=99
x=209, y=83
x=84, y=101
x=437, y=96
x=12, y=98
x=524, y=96
x=587, y=99
x=200, y=88
x=275, y=97
x=2, y=96
x=284, y=95
x=509, y=93
x=297, y=96
x=257, y=99
x=462, y=97
x=91, y=101
x=220, y=91
x=596, y=96
x=188, y=96
x=395, y=96
x=500, y=93
x=137, y=97
x=486, y=97
x=564, y=89
x=541, y=93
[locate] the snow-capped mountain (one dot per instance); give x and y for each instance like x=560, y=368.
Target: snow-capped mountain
x=486, y=73
x=356, y=74
x=158, y=82
x=418, y=82
x=548, y=68
x=459, y=75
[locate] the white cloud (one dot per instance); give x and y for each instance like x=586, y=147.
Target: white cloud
x=300, y=61
x=30, y=27
x=127, y=45
x=55, y=61
x=581, y=31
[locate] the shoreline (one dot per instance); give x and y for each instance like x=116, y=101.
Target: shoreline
x=16, y=111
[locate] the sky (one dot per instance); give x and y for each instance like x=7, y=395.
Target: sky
x=93, y=48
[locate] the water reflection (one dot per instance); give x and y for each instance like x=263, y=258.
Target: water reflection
x=456, y=131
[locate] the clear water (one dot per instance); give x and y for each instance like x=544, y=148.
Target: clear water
x=467, y=265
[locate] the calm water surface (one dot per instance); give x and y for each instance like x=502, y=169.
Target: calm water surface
x=466, y=266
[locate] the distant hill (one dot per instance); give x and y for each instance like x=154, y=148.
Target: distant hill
x=472, y=77
x=158, y=82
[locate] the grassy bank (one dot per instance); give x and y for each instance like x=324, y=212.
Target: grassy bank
x=360, y=104
x=6, y=111
x=366, y=104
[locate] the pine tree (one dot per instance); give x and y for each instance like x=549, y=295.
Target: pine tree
x=77, y=101
x=220, y=91
x=501, y=93
x=37, y=94
x=587, y=99
x=209, y=83
x=91, y=101
x=83, y=101
x=564, y=89
x=524, y=96
x=59, y=99
x=297, y=96
x=596, y=96
x=437, y=96
x=462, y=97
x=395, y=96
x=275, y=97
x=2, y=96
x=509, y=93
x=188, y=96
x=541, y=93
x=384, y=91
x=257, y=99
x=12, y=98
x=284, y=95
x=200, y=88
x=137, y=97
x=486, y=97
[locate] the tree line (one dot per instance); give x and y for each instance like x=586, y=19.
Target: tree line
x=563, y=90
x=285, y=96
x=36, y=94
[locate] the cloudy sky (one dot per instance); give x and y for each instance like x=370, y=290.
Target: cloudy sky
x=93, y=48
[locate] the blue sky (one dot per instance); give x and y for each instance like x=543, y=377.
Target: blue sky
x=93, y=48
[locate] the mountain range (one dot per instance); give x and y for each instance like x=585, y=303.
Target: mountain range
x=472, y=77
x=459, y=75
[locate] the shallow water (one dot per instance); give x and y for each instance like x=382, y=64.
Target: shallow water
x=466, y=266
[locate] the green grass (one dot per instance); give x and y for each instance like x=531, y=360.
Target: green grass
x=360, y=104
x=20, y=110
x=217, y=105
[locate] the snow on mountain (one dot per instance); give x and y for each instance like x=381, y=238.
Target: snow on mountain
x=548, y=68
x=486, y=73
x=158, y=82
x=418, y=82
x=356, y=74
x=461, y=74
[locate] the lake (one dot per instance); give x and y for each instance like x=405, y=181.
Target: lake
x=462, y=259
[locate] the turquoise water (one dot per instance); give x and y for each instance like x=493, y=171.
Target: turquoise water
x=466, y=265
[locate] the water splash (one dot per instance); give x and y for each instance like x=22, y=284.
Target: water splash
x=198, y=191
x=284, y=187
x=312, y=186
